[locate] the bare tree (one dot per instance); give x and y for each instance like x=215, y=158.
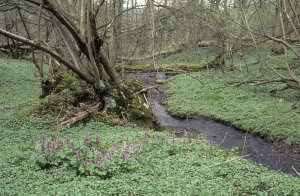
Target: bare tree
x=79, y=33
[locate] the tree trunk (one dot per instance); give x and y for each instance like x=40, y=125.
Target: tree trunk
x=117, y=27
x=277, y=30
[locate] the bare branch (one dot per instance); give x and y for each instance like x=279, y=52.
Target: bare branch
x=48, y=51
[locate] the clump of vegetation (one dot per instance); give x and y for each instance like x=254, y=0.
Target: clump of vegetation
x=89, y=156
x=67, y=95
x=66, y=92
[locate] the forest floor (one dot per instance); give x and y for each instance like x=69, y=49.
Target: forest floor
x=163, y=166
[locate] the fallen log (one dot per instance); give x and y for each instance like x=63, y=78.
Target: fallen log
x=88, y=110
x=161, y=53
x=290, y=83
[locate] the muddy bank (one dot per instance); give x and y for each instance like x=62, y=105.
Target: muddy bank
x=252, y=147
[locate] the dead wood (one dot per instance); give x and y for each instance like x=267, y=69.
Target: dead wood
x=144, y=90
x=218, y=62
x=161, y=53
x=288, y=81
x=84, y=112
x=207, y=43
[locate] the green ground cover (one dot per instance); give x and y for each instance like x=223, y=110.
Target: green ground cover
x=248, y=107
x=163, y=166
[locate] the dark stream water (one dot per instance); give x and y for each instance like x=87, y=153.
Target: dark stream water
x=227, y=137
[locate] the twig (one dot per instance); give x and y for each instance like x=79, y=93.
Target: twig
x=229, y=160
x=144, y=90
x=223, y=139
x=296, y=171
x=244, y=143
x=146, y=99
x=59, y=113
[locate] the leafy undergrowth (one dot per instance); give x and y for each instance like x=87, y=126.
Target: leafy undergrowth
x=248, y=107
x=161, y=165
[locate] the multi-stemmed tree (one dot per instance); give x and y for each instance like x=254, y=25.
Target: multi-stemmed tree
x=75, y=22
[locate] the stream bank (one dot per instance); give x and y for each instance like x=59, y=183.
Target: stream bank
x=250, y=146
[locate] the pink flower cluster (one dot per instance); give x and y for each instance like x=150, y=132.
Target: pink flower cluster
x=90, y=153
x=49, y=148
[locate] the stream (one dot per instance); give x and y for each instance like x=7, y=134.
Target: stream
x=227, y=137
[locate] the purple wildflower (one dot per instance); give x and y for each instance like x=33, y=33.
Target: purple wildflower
x=61, y=143
x=110, y=152
x=131, y=148
x=94, y=150
x=85, y=164
x=78, y=156
x=86, y=139
x=64, y=142
x=97, y=138
x=124, y=154
x=55, y=139
x=97, y=162
x=43, y=143
x=72, y=148
x=50, y=148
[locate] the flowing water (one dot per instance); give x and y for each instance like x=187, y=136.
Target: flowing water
x=227, y=137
